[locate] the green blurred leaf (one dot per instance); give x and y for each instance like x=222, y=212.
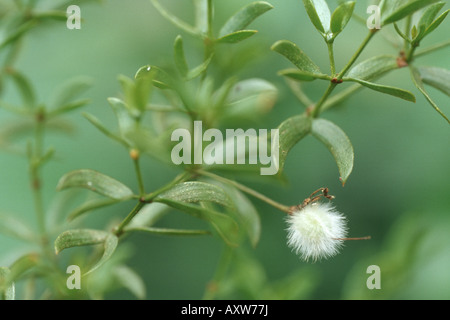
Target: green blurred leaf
x=79, y=237
x=393, y=91
x=22, y=265
x=64, y=95
x=89, y=206
x=93, y=120
x=341, y=16
x=25, y=89
x=244, y=17
x=293, y=53
x=236, y=36
x=130, y=280
x=175, y=20
x=125, y=120
x=11, y=226
x=201, y=15
x=402, y=9
x=301, y=75
x=168, y=232
x=373, y=67
x=68, y=107
x=436, y=23
x=161, y=79
x=337, y=143
x=195, y=72
x=194, y=191
x=225, y=226
x=110, y=245
x=417, y=80
x=291, y=132
x=438, y=78
x=97, y=182
x=319, y=14
x=7, y=288
x=180, y=58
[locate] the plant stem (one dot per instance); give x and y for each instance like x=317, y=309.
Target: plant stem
x=317, y=109
x=433, y=48
x=119, y=230
x=357, y=54
x=330, y=45
x=137, y=168
x=247, y=190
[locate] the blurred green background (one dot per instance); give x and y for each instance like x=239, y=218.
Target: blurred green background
x=399, y=191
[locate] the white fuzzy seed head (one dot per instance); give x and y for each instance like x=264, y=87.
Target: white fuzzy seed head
x=313, y=230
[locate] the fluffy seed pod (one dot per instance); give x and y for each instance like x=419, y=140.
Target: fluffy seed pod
x=316, y=231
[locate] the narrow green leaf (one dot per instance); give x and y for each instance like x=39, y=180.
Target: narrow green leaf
x=180, y=58
x=169, y=232
x=64, y=95
x=236, y=36
x=341, y=16
x=194, y=191
x=125, y=120
x=13, y=227
x=97, y=182
x=25, y=89
x=438, y=78
x=161, y=79
x=79, y=237
x=427, y=19
x=291, y=131
x=225, y=226
x=319, y=14
x=130, y=280
x=337, y=143
x=110, y=245
x=197, y=71
x=436, y=23
x=401, y=9
x=93, y=120
x=373, y=67
x=22, y=265
x=175, y=20
x=393, y=91
x=244, y=17
x=417, y=80
x=301, y=75
x=249, y=88
x=71, y=106
x=7, y=288
x=89, y=206
x=293, y=53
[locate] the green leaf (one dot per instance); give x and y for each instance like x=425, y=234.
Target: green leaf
x=175, y=20
x=25, y=89
x=373, y=67
x=341, y=16
x=393, y=91
x=7, y=288
x=438, y=78
x=97, y=182
x=337, y=143
x=22, y=265
x=301, y=75
x=427, y=19
x=402, y=9
x=237, y=36
x=244, y=17
x=169, y=232
x=89, y=206
x=291, y=131
x=11, y=226
x=319, y=14
x=293, y=53
x=160, y=78
x=180, y=58
x=68, y=107
x=79, y=237
x=436, y=23
x=195, y=72
x=225, y=226
x=194, y=191
x=417, y=80
x=130, y=280
x=125, y=120
x=93, y=120
x=110, y=245
x=64, y=95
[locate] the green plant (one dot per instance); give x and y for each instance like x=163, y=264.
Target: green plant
x=182, y=96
